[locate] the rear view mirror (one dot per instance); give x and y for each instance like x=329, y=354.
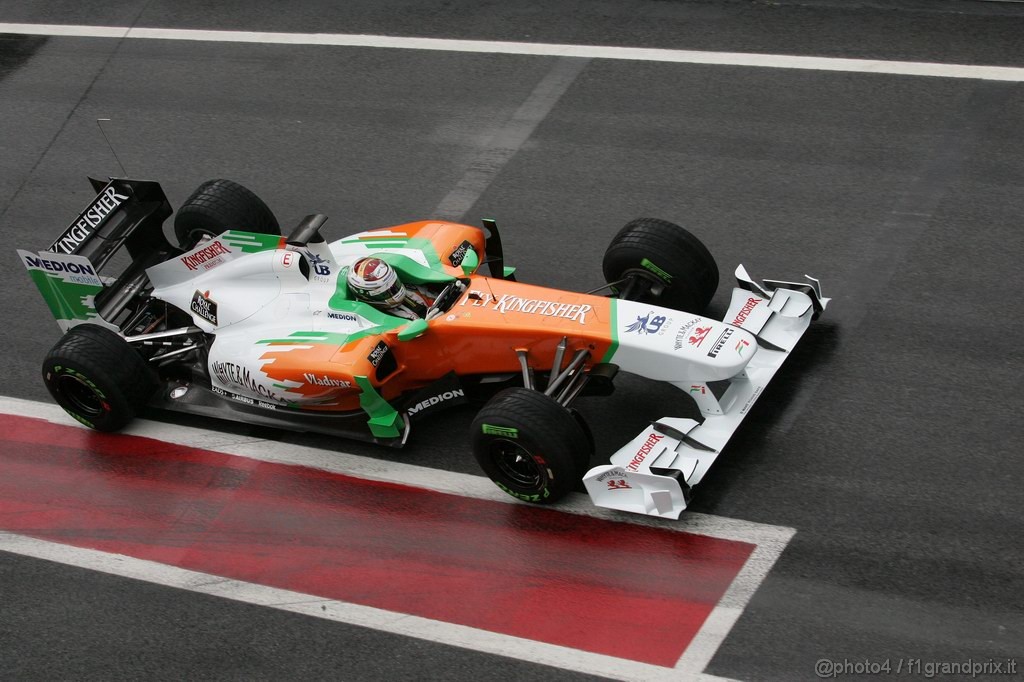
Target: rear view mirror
x=470, y=262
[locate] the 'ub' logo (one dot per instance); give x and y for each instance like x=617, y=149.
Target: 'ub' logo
x=647, y=325
x=320, y=266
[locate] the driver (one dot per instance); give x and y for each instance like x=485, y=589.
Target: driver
x=373, y=281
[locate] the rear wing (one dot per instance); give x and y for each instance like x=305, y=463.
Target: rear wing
x=125, y=213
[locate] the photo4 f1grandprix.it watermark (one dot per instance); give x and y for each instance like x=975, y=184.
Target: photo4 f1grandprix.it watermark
x=970, y=667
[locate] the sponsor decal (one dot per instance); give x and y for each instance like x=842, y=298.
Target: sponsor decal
x=346, y=317
x=526, y=497
x=230, y=374
x=746, y=406
x=684, y=330
x=459, y=254
x=611, y=473
x=378, y=353
x=503, y=431
x=244, y=399
x=741, y=346
x=647, y=324
x=509, y=303
x=699, y=335
x=741, y=316
x=88, y=221
x=208, y=257
x=478, y=298
x=618, y=484
x=698, y=388
x=204, y=306
x=437, y=400
x=656, y=270
x=319, y=265
x=79, y=273
x=645, y=449
x=720, y=342
x=326, y=381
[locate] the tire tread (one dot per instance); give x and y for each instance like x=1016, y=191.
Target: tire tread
x=217, y=206
x=672, y=248
x=541, y=420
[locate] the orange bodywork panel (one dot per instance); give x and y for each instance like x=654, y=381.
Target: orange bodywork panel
x=482, y=331
x=478, y=335
x=447, y=240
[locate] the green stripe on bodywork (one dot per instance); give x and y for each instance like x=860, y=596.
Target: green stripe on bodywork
x=381, y=238
x=382, y=322
x=332, y=338
x=427, y=248
x=414, y=272
x=251, y=242
x=421, y=244
x=65, y=299
x=615, y=331
x=373, y=245
x=328, y=338
x=384, y=420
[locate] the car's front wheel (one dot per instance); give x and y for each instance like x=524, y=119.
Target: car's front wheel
x=658, y=262
x=530, y=446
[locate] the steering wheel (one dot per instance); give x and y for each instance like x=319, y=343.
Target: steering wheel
x=446, y=298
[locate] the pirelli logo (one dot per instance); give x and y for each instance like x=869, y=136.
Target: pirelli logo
x=502, y=431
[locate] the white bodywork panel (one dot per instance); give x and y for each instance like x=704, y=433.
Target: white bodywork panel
x=668, y=345
x=221, y=288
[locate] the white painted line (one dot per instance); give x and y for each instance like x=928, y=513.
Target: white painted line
x=770, y=541
x=329, y=609
x=772, y=61
x=504, y=144
x=465, y=485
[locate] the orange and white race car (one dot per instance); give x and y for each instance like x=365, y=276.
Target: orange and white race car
x=239, y=322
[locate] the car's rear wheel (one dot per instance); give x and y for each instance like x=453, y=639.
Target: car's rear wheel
x=658, y=262
x=218, y=206
x=530, y=446
x=97, y=377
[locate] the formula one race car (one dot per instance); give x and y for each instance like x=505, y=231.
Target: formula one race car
x=241, y=323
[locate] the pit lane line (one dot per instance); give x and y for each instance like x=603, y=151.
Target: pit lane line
x=774, y=61
x=769, y=540
x=503, y=145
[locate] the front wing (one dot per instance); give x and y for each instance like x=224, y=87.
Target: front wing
x=654, y=472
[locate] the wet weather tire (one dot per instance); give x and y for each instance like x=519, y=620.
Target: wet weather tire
x=530, y=446
x=97, y=377
x=683, y=272
x=218, y=206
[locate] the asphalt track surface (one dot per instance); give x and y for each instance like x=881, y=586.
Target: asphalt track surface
x=890, y=442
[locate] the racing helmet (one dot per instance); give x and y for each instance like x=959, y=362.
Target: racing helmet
x=375, y=282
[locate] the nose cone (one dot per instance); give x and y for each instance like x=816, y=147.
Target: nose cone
x=713, y=349
x=669, y=345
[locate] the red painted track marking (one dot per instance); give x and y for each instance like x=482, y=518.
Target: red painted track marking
x=628, y=591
